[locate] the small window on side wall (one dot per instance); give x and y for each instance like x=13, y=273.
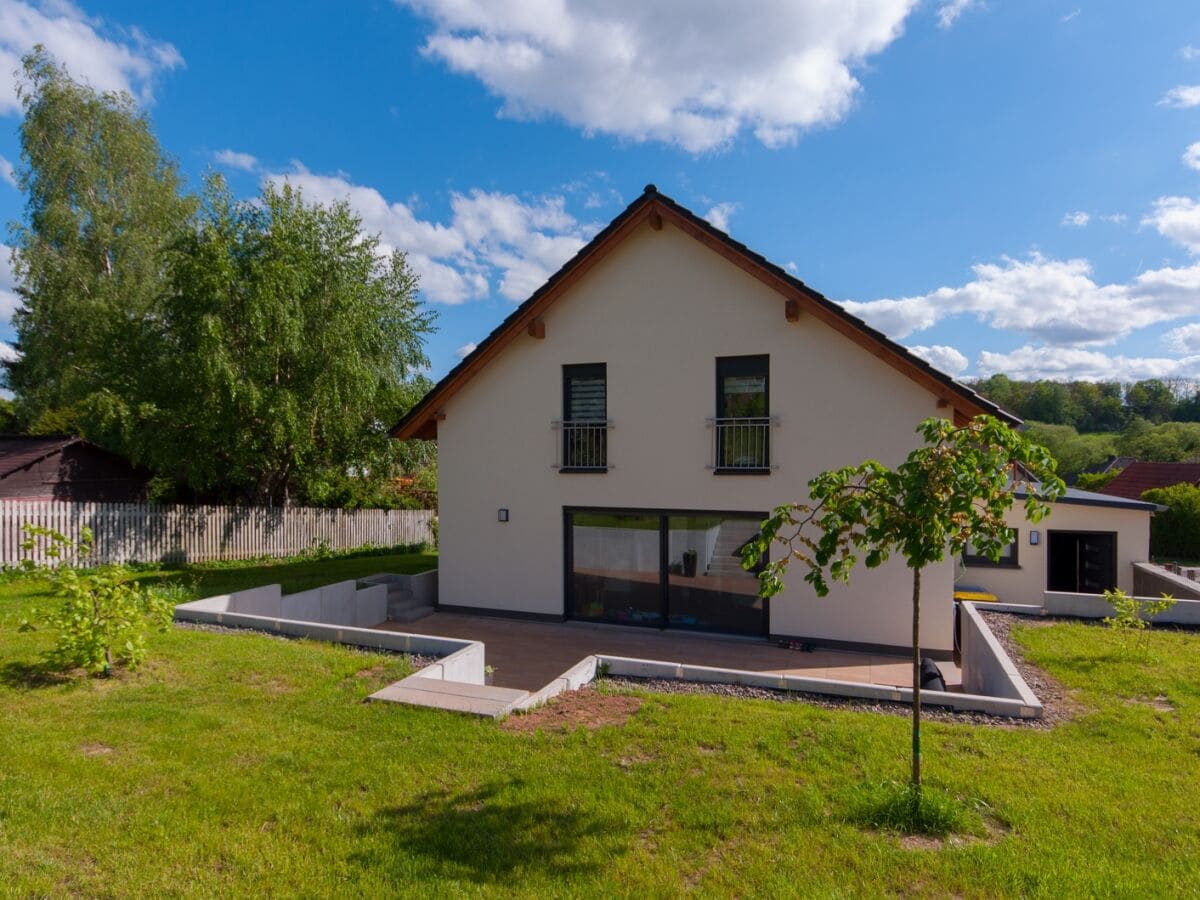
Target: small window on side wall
x=1007, y=560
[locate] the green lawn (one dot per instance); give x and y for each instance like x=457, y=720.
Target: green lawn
x=239, y=763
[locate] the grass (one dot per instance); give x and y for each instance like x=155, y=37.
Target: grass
x=240, y=763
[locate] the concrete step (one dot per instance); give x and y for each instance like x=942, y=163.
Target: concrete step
x=456, y=696
x=410, y=613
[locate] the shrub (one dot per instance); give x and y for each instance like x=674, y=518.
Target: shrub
x=1093, y=481
x=1131, y=616
x=1175, y=534
x=104, y=616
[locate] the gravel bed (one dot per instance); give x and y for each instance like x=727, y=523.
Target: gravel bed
x=419, y=660
x=1056, y=703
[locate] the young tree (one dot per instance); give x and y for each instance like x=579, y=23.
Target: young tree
x=952, y=491
x=285, y=342
x=102, y=202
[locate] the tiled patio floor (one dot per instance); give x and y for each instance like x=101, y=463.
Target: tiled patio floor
x=528, y=655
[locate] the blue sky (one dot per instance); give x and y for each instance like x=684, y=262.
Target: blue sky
x=1009, y=185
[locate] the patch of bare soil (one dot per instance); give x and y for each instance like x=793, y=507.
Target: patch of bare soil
x=1160, y=703
x=995, y=832
x=585, y=708
x=95, y=749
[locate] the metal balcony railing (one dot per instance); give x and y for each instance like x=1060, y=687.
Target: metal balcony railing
x=582, y=445
x=742, y=444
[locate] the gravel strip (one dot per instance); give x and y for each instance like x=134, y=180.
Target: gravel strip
x=419, y=660
x=1056, y=703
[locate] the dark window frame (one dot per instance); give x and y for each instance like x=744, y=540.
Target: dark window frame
x=984, y=562
x=582, y=370
x=734, y=366
x=664, y=515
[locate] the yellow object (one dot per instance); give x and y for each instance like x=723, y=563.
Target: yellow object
x=976, y=596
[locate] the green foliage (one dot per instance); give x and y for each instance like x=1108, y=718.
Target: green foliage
x=1175, y=534
x=954, y=490
x=1093, y=481
x=1131, y=617
x=1073, y=451
x=1168, y=442
x=104, y=614
x=901, y=808
x=1095, y=406
x=102, y=204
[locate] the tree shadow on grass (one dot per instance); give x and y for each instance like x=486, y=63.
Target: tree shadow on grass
x=28, y=674
x=489, y=835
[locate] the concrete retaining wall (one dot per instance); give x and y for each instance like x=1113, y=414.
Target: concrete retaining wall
x=1150, y=580
x=986, y=667
x=334, y=604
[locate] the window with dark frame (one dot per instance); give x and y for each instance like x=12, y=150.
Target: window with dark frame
x=585, y=418
x=1008, y=556
x=743, y=420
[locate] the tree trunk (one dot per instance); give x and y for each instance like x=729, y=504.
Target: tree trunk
x=916, y=696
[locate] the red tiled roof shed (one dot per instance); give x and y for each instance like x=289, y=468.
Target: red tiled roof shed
x=1138, y=477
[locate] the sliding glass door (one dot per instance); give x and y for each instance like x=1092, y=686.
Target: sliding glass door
x=666, y=570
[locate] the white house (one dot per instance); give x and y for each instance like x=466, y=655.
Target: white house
x=608, y=448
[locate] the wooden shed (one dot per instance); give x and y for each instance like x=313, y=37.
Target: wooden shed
x=59, y=467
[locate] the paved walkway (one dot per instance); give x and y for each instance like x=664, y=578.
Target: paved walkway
x=528, y=655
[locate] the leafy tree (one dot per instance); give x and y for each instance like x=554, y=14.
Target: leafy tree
x=1168, y=442
x=1175, y=534
x=1151, y=399
x=283, y=347
x=954, y=490
x=1073, y=451
x=1051, y=401
x=10, y=421
x=102, y=203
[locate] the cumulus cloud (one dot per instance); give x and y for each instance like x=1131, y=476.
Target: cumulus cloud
x=941, y=357
x=1191, y=156
x=1177, y=219
x=7, y=172
x=720, y=214
x=109, y=57
x=1073, y=363
x=691, y=75
x=1185, y=339
x=465, y=350
x=1076, y=219
x=1189, y=52
x=1047, y=300
x=8, y=353
x=234, y=160
x=491, y=236
x=9, y=301
x=1183, y=96
x=950, y=10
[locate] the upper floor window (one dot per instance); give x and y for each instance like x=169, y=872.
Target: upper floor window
x=585, y=418
x=742, y=425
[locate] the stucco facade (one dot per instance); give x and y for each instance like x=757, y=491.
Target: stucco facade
x=1027, y=580
x=658, y=310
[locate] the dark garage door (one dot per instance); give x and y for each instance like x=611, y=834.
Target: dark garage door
x=1082, y=562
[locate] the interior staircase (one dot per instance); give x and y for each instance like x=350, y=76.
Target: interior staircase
x=725, y=561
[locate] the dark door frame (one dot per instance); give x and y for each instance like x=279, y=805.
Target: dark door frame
x=664, y=586
x=1053, y=531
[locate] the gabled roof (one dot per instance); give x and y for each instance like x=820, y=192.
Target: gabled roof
x=1139, y=477
x=655, y=208
x=17, y=452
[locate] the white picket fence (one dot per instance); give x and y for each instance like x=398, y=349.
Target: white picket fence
x=138, y=532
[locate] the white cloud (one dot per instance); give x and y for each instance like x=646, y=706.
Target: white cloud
x=720, y=214
x=1071, y=15
x=1076, y=219
x=1051, y=301
x=950, y=10
x=1114, y=218
x=1182, y=97
x=465, y=350
x=8, y=353
x=9, y=301
x=110, y=58
x=1177, y=219
x=7, y=172
x=943, y=358
x=491, y=236
x=1184, y=339
x=1063, y=364
x=693, y=74
x=235, y=160
x=1189, y=52
x=1191, y=156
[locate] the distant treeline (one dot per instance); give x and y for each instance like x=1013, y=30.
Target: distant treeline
x=1091, y=406
x=1083, y=423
